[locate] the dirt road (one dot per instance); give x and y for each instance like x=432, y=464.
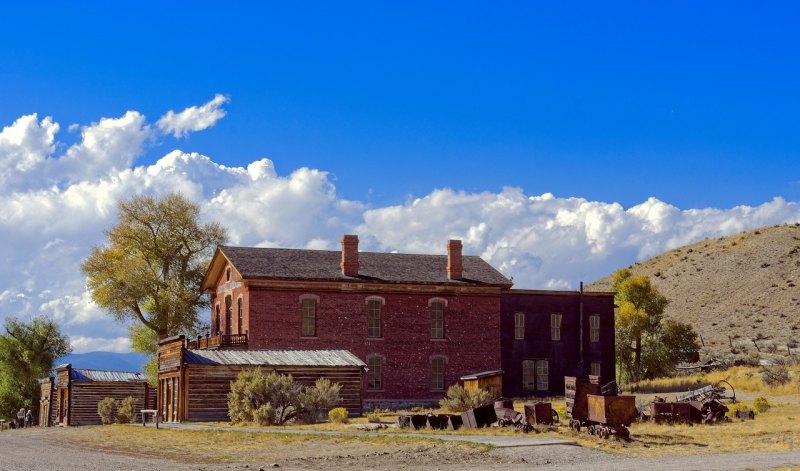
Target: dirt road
x=51, y=449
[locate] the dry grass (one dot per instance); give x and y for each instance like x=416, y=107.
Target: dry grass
x=742, y=378
x=229, y=446
x=778, y=429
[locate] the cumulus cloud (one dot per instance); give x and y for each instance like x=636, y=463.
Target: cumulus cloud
x=193, y=118
x=81, y=344
x=55, y=206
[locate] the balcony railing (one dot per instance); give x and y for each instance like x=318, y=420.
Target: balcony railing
x=218, y=341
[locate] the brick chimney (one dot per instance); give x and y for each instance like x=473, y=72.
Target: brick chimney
x=350, y=255
x=455, y=269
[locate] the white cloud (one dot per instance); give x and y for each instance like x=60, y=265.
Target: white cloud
x=194, y=118
x=54, y=207
x=81, y=344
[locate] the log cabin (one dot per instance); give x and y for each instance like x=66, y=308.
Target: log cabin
x=194, y=383
x=71, y=396
x=419, y=322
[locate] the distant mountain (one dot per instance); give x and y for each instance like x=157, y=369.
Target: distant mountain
x=105, y=361
x=733, y=289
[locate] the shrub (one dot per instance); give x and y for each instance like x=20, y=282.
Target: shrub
x=338, y=415
x=761, y=404
x=313, y=401
x=252, y=389
x=275, y=399
x=264, y=415
x=105, y=409
x=127, y=410
x=774, y=375
x=734, y=408
x=459, y=400
x=374, y=417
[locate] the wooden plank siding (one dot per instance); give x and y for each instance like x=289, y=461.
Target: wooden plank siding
x=207, y=387
x=86, y=395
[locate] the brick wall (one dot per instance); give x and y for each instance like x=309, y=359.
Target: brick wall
x=563, y=355
x=471, y=331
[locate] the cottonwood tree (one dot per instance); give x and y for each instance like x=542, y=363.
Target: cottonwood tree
x=150, y=268
x=27, y=353
x=648, y=344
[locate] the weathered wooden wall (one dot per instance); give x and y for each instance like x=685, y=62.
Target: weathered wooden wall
x=208, y=386
x=85, y=395
x=47, y=403
x=492, y=384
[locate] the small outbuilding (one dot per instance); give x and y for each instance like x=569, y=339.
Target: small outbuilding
x=193, y=384
x=491, y=381
x=71, y=396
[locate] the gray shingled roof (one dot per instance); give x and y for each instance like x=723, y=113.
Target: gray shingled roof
x=269, y=263
x=77, y=374
x=272, y=357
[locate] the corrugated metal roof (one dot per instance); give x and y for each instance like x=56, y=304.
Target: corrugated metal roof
x=104, y=376
x=483, y=374
x=272, y=357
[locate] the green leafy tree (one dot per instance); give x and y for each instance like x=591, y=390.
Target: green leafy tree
x=648, y=344
x=150, y=268
x=27, y=352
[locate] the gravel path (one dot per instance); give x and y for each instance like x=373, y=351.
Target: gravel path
x=37, y=449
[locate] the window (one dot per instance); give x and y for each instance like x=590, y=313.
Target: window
x=228, y=314
x=375, y=373
x=528, y=375
x=594, y=328
x=437, y=318
x=437, y=373
x=374, y=317
x=542, y=375
x=240, y=310
x=308, y=323
x=216, y=325
x=555, y=326
x=595, y=368
x=228, y=274
x=519, y=325
x=535, y=375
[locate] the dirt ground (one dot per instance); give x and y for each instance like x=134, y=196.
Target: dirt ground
x=60, y=448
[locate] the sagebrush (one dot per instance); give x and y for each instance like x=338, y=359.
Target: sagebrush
x=127, y=410
x=106, y=409
x=459, y=400
x=275, y=399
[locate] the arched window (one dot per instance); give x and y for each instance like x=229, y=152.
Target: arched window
x=228, y=274
x=240, y=310
x=308, y=315
x=375, y=373
x=228, y=315
x=437, y=373
x=216, y=327
x=374, y=316
x=436, y=307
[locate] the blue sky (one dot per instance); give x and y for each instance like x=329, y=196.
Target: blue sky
x=698, y=105
x=560, y=143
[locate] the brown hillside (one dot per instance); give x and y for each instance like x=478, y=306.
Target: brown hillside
x=744, y=286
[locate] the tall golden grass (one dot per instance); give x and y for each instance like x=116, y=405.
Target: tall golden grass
x=742, y=378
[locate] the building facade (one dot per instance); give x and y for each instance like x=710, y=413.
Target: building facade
x=547, y=335
x=72, y=395
x=418, y=322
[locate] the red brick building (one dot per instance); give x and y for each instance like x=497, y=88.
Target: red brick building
x=419, y=322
